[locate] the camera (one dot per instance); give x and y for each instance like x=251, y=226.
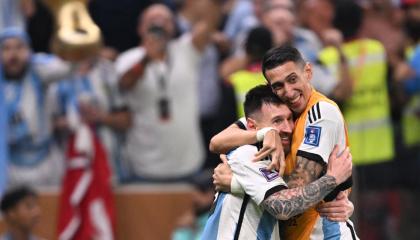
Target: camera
x=157, y=31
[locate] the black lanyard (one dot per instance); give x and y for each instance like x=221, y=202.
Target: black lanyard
x=163, y=103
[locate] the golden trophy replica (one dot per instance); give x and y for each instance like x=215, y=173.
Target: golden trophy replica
x=77, y=36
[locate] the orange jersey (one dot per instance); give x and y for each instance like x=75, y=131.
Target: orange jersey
x=317, y=130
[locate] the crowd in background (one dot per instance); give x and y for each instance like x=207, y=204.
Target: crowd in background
x=169, y=76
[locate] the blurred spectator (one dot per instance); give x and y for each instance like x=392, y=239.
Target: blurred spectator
x=160, y=82
x=383, y=22
x=191, y=224
x=259, y=41
x=34, y=157
x=189, y=13
x=411, y=78
x=367, y=62
x=21, y=213
x=13, y=13
x=91, y=96
x=279, y=17
x=367, y=113
x=243, y=15
x=316, y=15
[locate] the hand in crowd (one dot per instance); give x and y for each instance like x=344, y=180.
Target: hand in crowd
x=332, y=37
x=403, y=71
x=338, y=210
x=91, y=114
x=272, y=147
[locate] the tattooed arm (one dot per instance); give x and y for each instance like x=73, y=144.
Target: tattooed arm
x=305, y=172
x=290, y=202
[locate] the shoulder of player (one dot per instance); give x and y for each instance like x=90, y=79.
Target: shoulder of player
x=241, y=123
x=242, y=154
x=324, y=111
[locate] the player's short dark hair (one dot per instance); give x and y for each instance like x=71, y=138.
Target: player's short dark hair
x=279, y=56
x=259, y=95
x=14, y=196
x=258, y=42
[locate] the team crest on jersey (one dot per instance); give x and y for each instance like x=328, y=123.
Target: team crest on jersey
x=269, y=175
x=312, y=136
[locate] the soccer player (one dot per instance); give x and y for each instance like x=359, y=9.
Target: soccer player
x=254, y=214
x=319, y=126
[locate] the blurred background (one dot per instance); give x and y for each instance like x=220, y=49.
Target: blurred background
x=107, y=107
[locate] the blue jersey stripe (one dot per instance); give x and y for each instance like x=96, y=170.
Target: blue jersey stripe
x=212, y=225
x=330, y=229
x=266, y=226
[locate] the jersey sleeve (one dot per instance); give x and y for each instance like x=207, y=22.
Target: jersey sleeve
x=324, y=128
x=254, y=178
x=241, y=123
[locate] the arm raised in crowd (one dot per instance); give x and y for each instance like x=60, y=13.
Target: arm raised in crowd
x=207, y=25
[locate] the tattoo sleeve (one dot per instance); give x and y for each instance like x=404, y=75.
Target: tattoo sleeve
x=306, y=171
x=290, y=202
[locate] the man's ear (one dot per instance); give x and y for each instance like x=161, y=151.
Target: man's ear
x=251, y=123
x=307, y=71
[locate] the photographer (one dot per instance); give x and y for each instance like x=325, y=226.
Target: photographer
x=159, y=80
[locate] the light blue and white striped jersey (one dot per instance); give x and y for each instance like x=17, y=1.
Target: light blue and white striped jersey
x=241, y=216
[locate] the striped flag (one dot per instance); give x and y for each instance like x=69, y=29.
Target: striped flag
x=87, y=207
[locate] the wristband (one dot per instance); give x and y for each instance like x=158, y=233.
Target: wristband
x=261, y=133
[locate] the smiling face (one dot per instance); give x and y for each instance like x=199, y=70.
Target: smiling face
x=291, y=82
x=277, y=116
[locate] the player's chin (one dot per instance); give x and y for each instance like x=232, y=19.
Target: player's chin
x=286, y=147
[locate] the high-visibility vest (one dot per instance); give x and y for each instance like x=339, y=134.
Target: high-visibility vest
x=411, y=122
x=243, y=81
x=411, y=118
x=367, y=112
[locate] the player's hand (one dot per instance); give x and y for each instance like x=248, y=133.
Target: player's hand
x=272, y=147
x=340, y=167
x=222, y=177
x=339, y=210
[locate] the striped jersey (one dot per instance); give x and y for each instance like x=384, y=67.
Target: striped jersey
x=317, y=130
x=241, y=216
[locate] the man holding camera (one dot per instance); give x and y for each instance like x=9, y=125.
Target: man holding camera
x=159, y=80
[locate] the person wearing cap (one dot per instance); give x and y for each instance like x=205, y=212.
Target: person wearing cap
x=21, y=212
x=24, y=79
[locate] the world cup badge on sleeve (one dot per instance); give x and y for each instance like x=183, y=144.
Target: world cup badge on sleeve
x=312, y=135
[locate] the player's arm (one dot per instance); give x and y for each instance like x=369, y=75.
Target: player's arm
x=236, y=135
x=287, y=203
x=232, y=137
